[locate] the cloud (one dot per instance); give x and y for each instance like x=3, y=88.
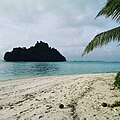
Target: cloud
x=65, y=24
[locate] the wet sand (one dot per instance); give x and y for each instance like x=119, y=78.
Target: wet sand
x=40, y=98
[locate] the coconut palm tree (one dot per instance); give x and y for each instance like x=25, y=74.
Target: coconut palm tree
x=111, y=9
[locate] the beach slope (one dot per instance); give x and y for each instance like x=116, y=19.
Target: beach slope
x=81, y=97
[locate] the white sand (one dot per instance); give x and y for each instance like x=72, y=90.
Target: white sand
x=39, y=98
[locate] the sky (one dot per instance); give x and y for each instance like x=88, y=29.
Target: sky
x=67, y=25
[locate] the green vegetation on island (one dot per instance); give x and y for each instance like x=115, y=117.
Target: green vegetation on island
x=117, y=81
x=116, y=103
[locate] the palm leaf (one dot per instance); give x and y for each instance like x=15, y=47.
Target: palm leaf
x=111, y=9
x=103, y=39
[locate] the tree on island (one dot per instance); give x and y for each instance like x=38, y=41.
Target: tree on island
x=111, y=9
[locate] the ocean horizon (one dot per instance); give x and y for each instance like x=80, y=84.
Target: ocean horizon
x=18, y=70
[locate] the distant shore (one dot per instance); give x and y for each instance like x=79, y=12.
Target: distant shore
x=40, y=98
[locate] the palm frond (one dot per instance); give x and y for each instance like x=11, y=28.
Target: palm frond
x=103, y=39
x=111, y=9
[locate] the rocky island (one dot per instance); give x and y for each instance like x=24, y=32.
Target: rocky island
x=41, y=52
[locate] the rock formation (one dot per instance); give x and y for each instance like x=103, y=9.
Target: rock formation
x=41, y=52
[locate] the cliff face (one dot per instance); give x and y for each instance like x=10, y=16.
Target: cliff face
x=41, y=52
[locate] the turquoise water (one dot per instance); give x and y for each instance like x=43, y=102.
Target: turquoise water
x=15, y=70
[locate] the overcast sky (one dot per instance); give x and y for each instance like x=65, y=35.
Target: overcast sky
x=67, y=25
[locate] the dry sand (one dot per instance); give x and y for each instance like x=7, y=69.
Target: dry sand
x=39, y=98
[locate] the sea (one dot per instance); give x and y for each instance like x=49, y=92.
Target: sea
x=18, y=70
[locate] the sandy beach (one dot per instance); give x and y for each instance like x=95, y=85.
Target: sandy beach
x=40, y=98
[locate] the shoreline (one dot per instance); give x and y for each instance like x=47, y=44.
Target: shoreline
x=40, y=97
x=37, y=76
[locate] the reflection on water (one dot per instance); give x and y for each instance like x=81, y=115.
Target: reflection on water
x=14, y=70
x=42, y=68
